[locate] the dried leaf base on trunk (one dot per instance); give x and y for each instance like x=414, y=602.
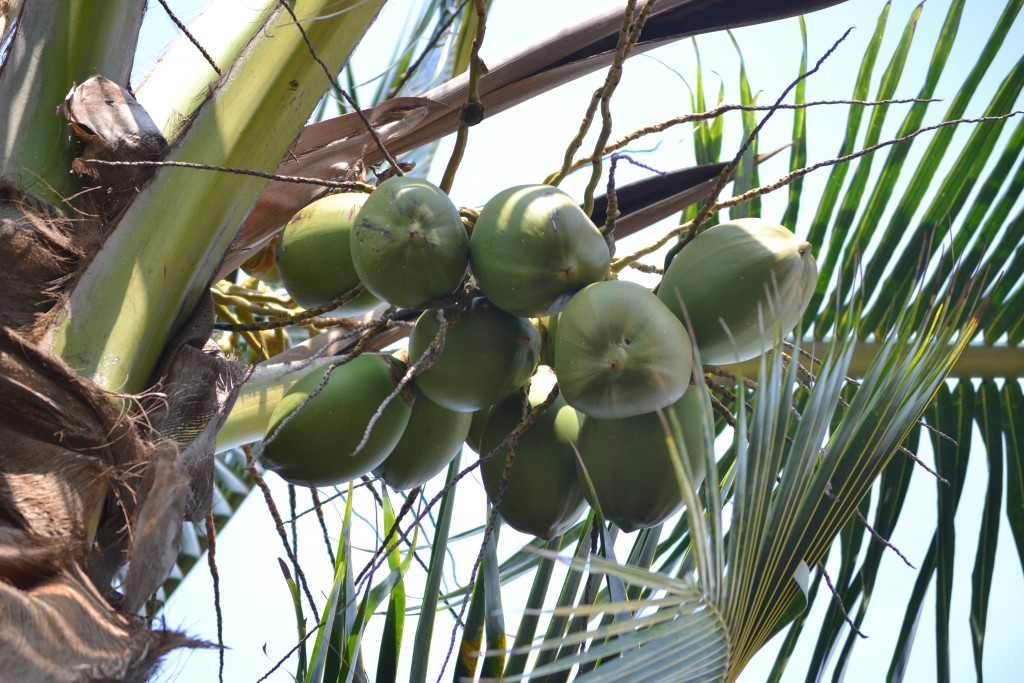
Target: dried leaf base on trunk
x=62, y=630
x=75, y=484
x=92, y=494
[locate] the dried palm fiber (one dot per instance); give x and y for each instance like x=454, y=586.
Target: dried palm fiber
x=38, y=251
x=77, y=503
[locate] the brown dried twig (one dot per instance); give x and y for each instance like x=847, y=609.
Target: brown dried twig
x=211, y=552
x=300, y=180
x=839, y=601
x=725, y=109
x=250, y=466
x=790, y=177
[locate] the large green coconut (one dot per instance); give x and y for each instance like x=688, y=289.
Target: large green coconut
x=548, y=327
x=433, y=437
x=317, y=445
x=743, y=284
x=620, y=352
x=543, y=496
x=476, y=427
x=409, y=244
x=630, y=466
x=313, y=256
x=533, y=247
x=488, y=354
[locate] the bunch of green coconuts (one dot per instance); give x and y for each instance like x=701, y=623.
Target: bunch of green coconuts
x=545, y=312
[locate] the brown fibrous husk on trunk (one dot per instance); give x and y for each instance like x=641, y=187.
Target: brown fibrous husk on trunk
x=94, y=488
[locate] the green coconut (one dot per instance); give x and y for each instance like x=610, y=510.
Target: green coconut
x=533, y=247
x=313, y=256
x=548, y=327
x=630, y=465
x=476, y=427
x=488, y=354
x=543, y=495
x=317, y=446
x=744, y=284
x=620, y=352
x=433, y=437
x=409, y=245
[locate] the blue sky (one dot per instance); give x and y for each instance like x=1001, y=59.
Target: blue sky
x=523, y=145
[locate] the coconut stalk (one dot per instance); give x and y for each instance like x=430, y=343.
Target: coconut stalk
x=151, y=272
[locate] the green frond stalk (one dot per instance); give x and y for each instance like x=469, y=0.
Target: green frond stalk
x=152, y=272
x=181, y=79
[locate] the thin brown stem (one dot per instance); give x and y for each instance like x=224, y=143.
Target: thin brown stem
x=725, y=109
x=473, y=109
x=250, y=466
x=881, y=539
x=787, y=179
x=211, y=561
x=396, y=168
x=206, y=55
x=595, y=100
x=628, y=37
x=300, y=180
x=323, y=523
x=839, y=601
x=431, y=46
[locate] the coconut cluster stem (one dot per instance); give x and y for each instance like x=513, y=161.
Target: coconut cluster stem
x=472, y=111
x=721, y=110
x=628, y=37
x=602, y=96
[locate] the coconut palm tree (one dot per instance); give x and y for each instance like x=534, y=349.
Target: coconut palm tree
x=124, y=223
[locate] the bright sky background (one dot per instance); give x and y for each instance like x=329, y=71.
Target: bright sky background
x=522, y=146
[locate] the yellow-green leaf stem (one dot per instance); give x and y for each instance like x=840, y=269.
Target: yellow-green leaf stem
x=248, y=419
x=163, y=254
x=178, y=83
